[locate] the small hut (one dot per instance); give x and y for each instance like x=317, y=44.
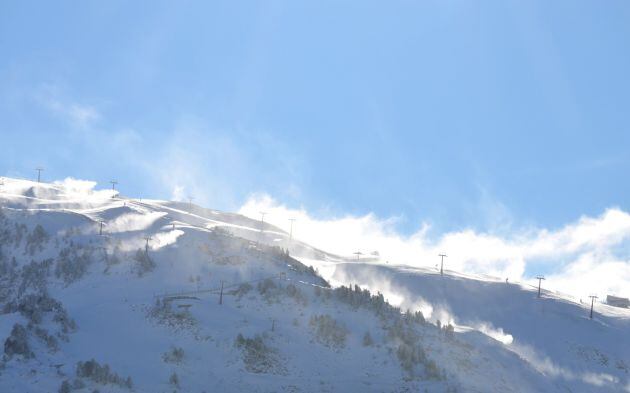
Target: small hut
x=615, y=301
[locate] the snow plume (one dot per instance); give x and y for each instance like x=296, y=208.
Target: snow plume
x=76, y=188
x=588, y=256
x=546, y=366
x=217, y=167
x=396, y=295
x=134, y=221
x=178, y=193
x=73, y=185
x=163, y=239
x=497, y=334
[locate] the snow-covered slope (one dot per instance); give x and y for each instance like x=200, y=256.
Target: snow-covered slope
x=553, y=333
x=169, y=296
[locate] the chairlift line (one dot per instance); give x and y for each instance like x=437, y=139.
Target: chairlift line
x=442, y=263
x=539, y=278
x=39, y=170
x=593, y=297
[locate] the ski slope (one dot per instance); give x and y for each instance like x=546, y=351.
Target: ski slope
x=134, y=300
x=553, y=333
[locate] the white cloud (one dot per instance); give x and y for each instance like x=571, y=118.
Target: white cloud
x=579, y=259
x=78, y=115
x=81, y=115
x=192, y=157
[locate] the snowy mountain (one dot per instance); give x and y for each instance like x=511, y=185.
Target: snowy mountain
x=104, y=292
x=553, y=333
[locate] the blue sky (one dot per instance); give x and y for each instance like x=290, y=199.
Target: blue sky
x=487, y=115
